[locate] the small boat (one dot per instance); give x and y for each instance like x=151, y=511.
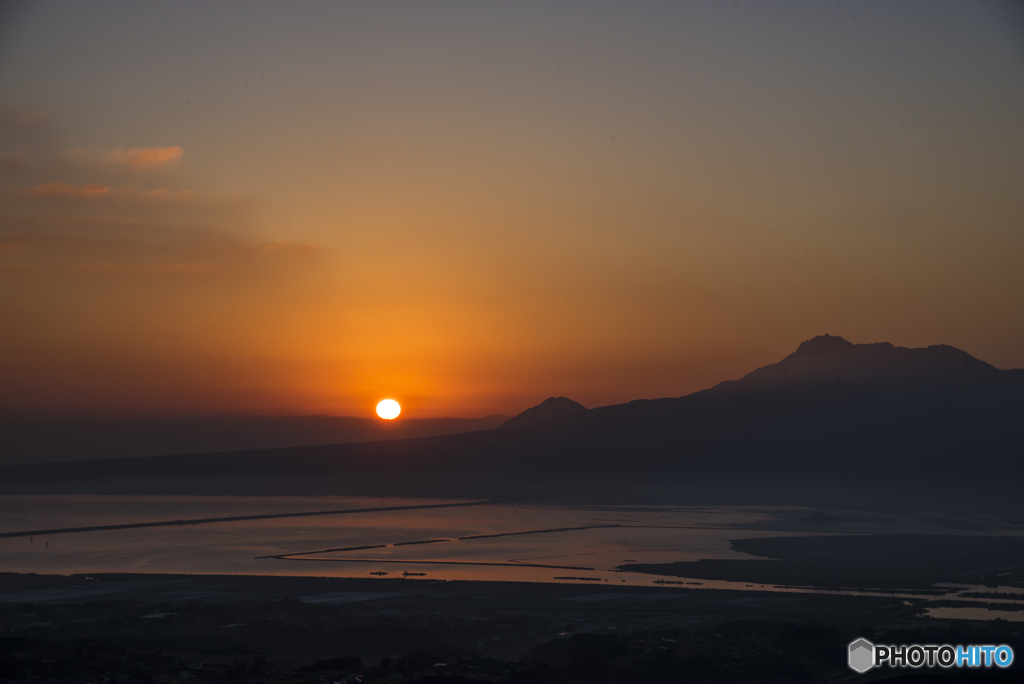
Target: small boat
x=414, y=574
x=379, y=572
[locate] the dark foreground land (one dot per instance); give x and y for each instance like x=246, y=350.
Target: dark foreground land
x=164, y=628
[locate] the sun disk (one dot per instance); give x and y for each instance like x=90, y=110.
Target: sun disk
x=388, y=409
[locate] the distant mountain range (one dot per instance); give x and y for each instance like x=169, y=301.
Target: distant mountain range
x=832, y=423
x=50, y=439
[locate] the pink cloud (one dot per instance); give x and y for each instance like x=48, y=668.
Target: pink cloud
x=145, y=157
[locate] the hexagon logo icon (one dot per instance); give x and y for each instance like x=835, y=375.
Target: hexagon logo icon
x=862, y=655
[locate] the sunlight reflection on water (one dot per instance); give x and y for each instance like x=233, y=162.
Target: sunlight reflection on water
x=613, y=535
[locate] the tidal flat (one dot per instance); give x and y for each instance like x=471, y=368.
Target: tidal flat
x=335, y=589
x=776, y=549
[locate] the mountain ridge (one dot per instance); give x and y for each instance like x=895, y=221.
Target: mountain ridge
x=936, y=430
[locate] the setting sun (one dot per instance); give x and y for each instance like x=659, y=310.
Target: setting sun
x=388, y=409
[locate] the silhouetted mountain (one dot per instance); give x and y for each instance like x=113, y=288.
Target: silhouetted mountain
x=552, y=407
x=833, y=422
x=832, y=358
x=69, y=439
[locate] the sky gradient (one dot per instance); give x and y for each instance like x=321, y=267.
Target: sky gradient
x=306, y=207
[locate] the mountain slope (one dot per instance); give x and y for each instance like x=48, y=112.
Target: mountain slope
x=551, y=408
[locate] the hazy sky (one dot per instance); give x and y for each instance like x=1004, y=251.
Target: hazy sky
x=299, y=207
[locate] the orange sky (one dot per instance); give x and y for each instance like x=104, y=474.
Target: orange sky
x=210, y=208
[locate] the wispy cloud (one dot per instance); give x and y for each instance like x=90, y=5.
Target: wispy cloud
x=109, y=246
x=92, y=191
x=157, y=194
x=288, y=248
x=22, y=128
x=145, y=157
x=16, y=267
x=13, y=162
x=145, y=269
x=32, y=118
x=66, y=190
x=89, y=213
